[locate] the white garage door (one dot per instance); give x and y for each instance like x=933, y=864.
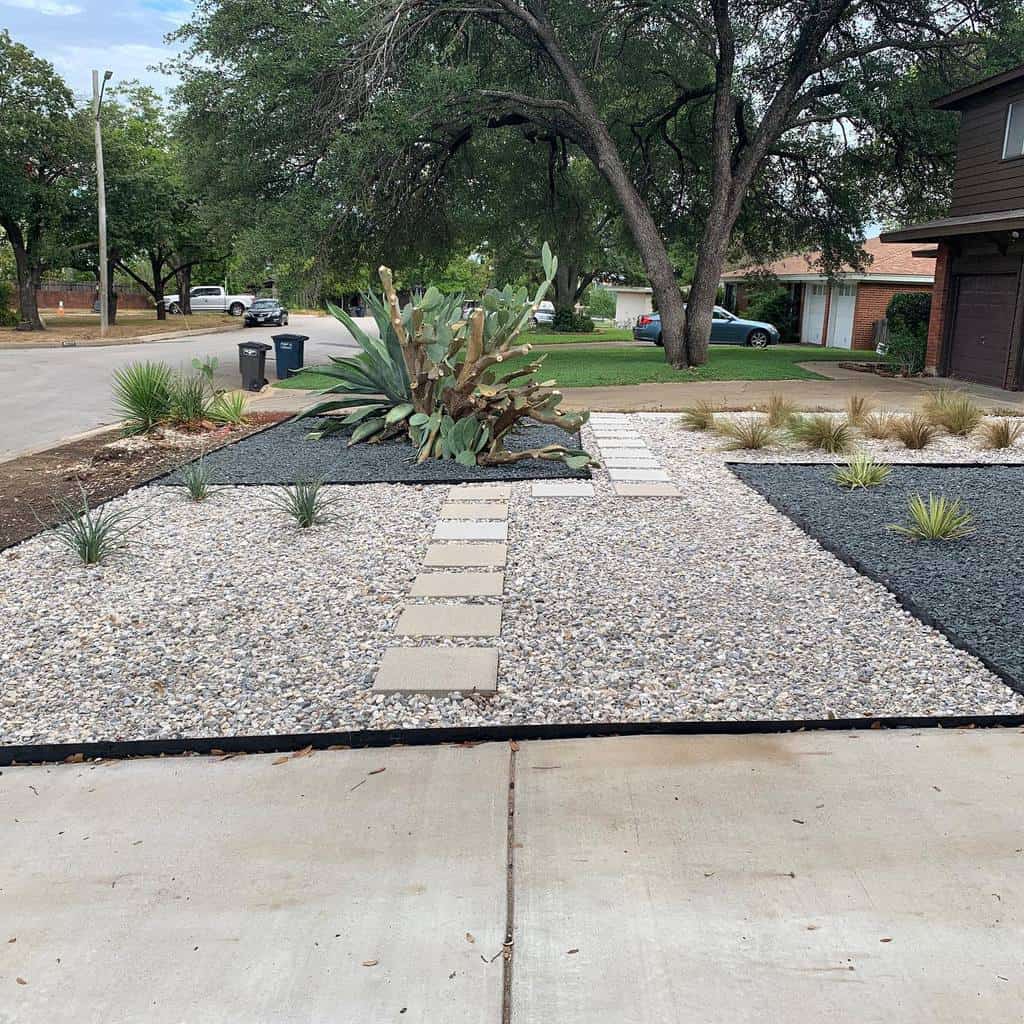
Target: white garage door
x=814, y=314
x=840, y=315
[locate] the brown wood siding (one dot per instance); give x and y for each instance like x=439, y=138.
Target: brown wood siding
x=984, y=182
x=981, y=329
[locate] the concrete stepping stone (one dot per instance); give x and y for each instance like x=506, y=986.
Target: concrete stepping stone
x=624, y=442
x=614, y=435
x=474, y=510
x=449, y=620
x=449, y=555
x=563, y=489
x=470, y=529
x=437, y=670
x=638, y=474
x=652, y=490
x=480, y=492
x=458, y=584
x=640, y=460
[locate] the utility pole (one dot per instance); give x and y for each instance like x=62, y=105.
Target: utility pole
x=101, y=194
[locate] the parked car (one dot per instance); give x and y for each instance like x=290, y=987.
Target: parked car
x=211, y=299
x=726, y=329
x=266, y=311
x=545, y=315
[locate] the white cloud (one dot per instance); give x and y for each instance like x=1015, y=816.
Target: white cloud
x=50, y=7
x=128, y=61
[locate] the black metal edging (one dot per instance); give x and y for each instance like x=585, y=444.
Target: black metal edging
x=41, y=753
x=906, y=602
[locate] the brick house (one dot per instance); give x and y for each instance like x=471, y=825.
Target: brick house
x=840, y=311
x=976, y=332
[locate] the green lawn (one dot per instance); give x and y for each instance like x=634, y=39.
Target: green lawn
x=584, y=368
x=601, y=334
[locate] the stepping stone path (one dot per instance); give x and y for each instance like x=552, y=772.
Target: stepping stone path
x=470, y=534
x=632, y=467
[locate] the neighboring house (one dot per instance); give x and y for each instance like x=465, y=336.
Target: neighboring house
x=631, y=303
x=977, y=320
x=840, y=311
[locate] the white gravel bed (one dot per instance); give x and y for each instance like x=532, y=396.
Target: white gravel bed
x=226, y=620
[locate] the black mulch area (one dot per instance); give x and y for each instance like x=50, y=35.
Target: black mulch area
x=284, y=455
x=970, y=589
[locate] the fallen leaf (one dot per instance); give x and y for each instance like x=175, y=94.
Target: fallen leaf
x=513, y=744
x=304, y=752
x=15, y=939
x=799, y=821
x=571, y=951
x=885, y=940
x=469, y=937
x=74, y=758
x=377, y=771
x=370, y=963
x=279, y=760
x=21, y=981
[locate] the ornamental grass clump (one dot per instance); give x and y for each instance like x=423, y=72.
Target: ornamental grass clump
x=748, y=433
x=958, y=415
x=877, y=425
x=93, y=534
x=229, y=407
x=189, y=401
x=198, y=480
x=935, y=519
x=861, y=471
x=779, y=410
x=698, y=417
x=998, y=434
x=914, y=431
x=439, y=379
x=306, y=502
x=858, y=407
x=142, y=395
x=827, y=433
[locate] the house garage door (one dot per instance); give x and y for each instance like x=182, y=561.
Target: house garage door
x=814, y=314
x=980, y=341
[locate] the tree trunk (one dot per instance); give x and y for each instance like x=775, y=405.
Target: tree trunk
x=28, y=278
x=704, y=290
x=156, y=266
x=565, y=286
x=184, y=277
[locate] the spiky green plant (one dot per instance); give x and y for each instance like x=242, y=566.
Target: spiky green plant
x=698, y=417
x=198, y=480
x=935, y=519
x=142, y=395
x=190, y=401
x=1002, y=433
x=959, y=415
x=858, y=407
x=92, y=534
x=861, y=471
x=914, y=431
x=229, y=407
x=827, y=433
x=746, y=433
x=780, y=410
x=877, y=425
x=306, y=502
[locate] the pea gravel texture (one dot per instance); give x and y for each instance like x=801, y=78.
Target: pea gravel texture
x=225, y=619
x=972, y=589
x=284, y=455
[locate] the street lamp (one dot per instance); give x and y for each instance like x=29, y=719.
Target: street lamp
x=101, y=193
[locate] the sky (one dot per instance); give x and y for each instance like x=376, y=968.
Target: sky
x=126, y=36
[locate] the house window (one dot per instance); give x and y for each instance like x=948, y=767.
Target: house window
x=1013, y=141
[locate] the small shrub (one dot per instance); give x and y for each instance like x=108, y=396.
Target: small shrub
x=92, y=534
x=198, y=480
x=142, y=395
x=748, y=433
x=910, y=311
x=861, y=471
x=877, y=425
x=936, y=519
x=905, y=352
x=306, y=502
x=229, y=407
x=1003, y=433
x=960, y=416
x=8, y=315
x=698, y=417
x=780, y=410
x=568, y=321
x=914, y=431
x=938, y=400
x=190, y=402
x=857, y=409
x=829, y=433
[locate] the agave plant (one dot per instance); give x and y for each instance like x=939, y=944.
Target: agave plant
x=142, y=395
x=92, y=533
x=935, y=519
x=861, y=471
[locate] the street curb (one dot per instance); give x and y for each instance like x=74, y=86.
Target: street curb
x=142, y=339
x=60, y=444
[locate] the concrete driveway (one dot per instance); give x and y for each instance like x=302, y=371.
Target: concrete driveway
x=850, y=877
x=50, y=394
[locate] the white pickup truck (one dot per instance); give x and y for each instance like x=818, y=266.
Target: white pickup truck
x=211, y=299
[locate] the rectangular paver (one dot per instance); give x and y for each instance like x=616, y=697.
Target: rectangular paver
x=466, y=554
x=649, y=490
x=474, y=510
x=449, y=620
x=480, y=492
x=638, y=474
x=438, y=670
x=470, y=529
x=458, y=584
x=639, y=460
x=563, y=489
x=624, y=442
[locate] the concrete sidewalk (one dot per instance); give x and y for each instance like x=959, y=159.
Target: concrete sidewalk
x=851, y=877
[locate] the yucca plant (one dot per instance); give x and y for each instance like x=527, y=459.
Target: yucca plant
x=861, y=471
x=959, y=415
x=780, y=410
x=748, y=432
x=858, y=407
x=142, y=395
x=229, y=407
x=935, y=519
x=1002, y=433
x=198, y=480
x=914, y=431
x=877, y=425
x=190, y=401
x=827, y=433
x=92, y=534
x=306, y=502
x=698, y=417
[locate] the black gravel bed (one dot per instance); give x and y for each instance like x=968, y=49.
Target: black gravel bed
x=972, y=589
x=284, y=454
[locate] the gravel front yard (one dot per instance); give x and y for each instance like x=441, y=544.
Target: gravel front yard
x=226, y=620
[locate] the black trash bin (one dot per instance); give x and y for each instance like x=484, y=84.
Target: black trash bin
x=289, y=350
x=252, y=364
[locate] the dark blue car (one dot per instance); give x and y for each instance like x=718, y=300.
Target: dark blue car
x=726, y=329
